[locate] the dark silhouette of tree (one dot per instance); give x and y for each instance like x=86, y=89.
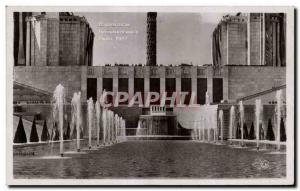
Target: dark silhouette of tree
x=34, y=137
x=238, y=131
x=56, y=137
x=20, y=135
x=81, y=134
x=270, y=133
x=282, y=131
x=45, y=132
x=261, y=132
x=246, y=134
x=54, y=133
x=68, y=130
x=252, y=134
x=67, y=133
x=74, y=134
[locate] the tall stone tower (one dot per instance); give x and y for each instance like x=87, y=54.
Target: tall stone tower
x=151, y=38
x=52, y=39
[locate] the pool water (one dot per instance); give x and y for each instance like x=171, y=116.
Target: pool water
x=150, y=159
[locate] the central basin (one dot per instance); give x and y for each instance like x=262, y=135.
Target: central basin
x=152, y=159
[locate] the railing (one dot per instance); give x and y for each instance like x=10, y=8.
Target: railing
x=259, y=141
x=157, y=110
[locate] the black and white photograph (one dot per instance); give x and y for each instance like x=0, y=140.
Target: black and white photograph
x=150, y=95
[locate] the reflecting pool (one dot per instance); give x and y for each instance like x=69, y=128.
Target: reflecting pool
x=149, y=159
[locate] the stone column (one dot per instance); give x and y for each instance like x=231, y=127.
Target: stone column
x=178, y=89
x=28, y=41
x=225, y=83
x=99, y=87
x=83, y=83
x=274, y=43
x=131, y=83
x=21, y=53
x=43, y=42
x=263, y=39
x=178, y=84
x=178, y=78
x=162, y=86
x=162, y=80
x=194, y=83
x=146, y=81
x=32, y=42
x=115, y=81
x=209, y=73
x=248, y=40
x=99, y=82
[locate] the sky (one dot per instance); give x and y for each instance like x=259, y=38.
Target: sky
x=181, y=37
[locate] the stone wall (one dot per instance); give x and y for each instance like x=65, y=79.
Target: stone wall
x=237, y=43
x=69, y=35
x=238, y=81
x=38, y=45
x=57, y=41
x=48, y=77
x=224, y=43
x=266, y=31
x=53, y=42
x=255, y=39
x=248, y=80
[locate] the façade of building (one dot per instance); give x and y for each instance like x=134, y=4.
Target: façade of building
x=52, y=39
x=246, y=65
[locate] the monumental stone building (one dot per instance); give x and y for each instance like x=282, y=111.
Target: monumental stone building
x=250, y=39
x=248, y=62
x=52, y=39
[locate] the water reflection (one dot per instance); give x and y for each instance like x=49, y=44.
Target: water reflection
x=134, y=159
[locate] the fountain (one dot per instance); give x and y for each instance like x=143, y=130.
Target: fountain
x=107, y=126
x=232, y=121
x=116, y=127
x=221, y=124
x=203, y=133
x=199, y=132
x=206, y=98
x=194, y=131
x=215, y=136
x=90, y=106
x=139, y=129
x=278, y=116
x=76, y=117
x=208, y=134
x=58, y=110
x=241, y=108
x=112, y=128
x=258, y=109
x=207, y=103
x=104, y=124
x=122, y=129
x=98, y=120
x=206, y=114
x=199, y=129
